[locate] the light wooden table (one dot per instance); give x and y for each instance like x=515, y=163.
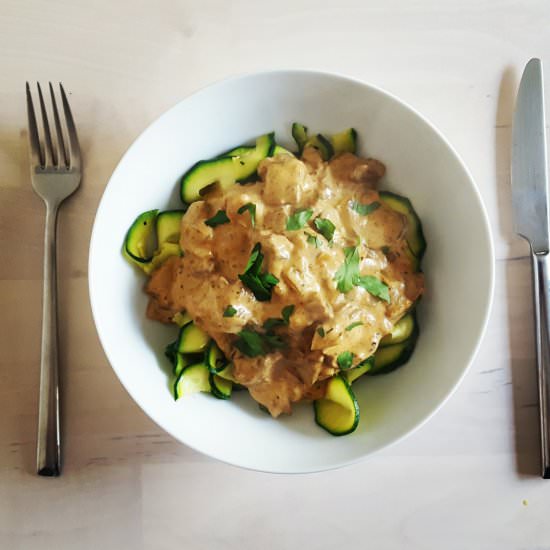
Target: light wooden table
x=467, y=480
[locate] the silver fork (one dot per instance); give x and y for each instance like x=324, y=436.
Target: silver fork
x=55, y=174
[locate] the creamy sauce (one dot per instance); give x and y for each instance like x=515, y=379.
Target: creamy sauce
x=205, y=280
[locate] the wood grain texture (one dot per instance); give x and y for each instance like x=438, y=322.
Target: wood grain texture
x=468, y=479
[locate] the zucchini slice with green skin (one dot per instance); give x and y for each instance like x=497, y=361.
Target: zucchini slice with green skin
x=245, y=149
x=139, y=241
x=192, y=339
x=192, y=379
x=402, y=330
x=238, y=151
x=363, y=367
x=214, y=358
x=299, y=133
x=322, y=144
x=224, y=171
x=182, y=318
x=227, y=373
x=338, y=411
x=166, y=250
x=415, y=234
x=220, y=387
x=168, y=226
x=392, y=357
x=171, y=351
x=181, y=361
x=344, y=142
x=278, y=150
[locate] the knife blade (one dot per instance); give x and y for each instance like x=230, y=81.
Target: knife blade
x=529, y=171
x=530, y=201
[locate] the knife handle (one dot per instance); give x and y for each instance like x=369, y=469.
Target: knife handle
x=541, y=273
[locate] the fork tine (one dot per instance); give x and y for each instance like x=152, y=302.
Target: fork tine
x=34, y=140
x=74, y=147
x=50, y=155
x=60, y=141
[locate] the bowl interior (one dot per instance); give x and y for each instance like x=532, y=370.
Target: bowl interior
x=421, y=165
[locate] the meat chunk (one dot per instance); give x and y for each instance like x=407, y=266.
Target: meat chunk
x=286, y=181
x=196, y=236
x=156, y=312
x=312, y=159
x=348, y=168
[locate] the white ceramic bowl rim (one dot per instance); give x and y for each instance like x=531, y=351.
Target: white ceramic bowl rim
x=94, y=245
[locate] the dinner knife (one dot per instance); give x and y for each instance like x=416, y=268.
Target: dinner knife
x=530, y=200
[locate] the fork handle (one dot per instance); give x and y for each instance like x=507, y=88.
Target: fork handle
x=48, y=449
x=541, y=274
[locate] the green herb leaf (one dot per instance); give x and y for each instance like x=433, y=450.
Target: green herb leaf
x=250, y=343
x=253, y=263
x=312, y=239
x=260, y=284
x=345, y=360
x=385, y=250
x=230, y=311
x=348, y=271
x=273, y=322
x=286, y=313
x=254, y=344
x=374, y=286
x=298, y=219
x=219, y=218
x=321, y=332
x=365, y=209
x=273, y=342
x=252, y=209
x=269, y=278
x=353, y=325
x=325, y=227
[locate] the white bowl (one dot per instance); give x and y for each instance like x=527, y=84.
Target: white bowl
x=421, y=165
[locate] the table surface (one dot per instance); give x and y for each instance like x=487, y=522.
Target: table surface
x=468, y=479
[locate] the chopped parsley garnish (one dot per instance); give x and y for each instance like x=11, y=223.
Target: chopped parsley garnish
x=273, y=322
x=353, y=325
x=345, y=360
x=312, y=239
x=298, y=219
x=374, y=286
x=348, y=271
x=219, y=218
x=230, y=311
x=252, y=209
x=365, y=209
x=254, y=344
x=250, y=343
x=325, y=227
x=286, y=312
x=321, y=332
x=348, y=276
x=273, y=342
x=385, y=250
x=261, y=284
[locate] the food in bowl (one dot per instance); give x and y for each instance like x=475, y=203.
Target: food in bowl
x=293, y=284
